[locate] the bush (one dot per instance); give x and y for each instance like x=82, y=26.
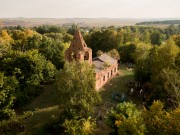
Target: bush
x=11, y=127
x=79, y=126
x=125, y=119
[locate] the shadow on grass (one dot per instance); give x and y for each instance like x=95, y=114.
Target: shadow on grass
x=45, y=109
x=116, y=85
x=34, y=125
x=45, y=100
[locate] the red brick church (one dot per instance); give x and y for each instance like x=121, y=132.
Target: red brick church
x=105, y=66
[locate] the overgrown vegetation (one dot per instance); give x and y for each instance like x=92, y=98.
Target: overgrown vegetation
x=31, y=57
x=125, y=119
x=172, y=22
x=27, y=61
x=75, y=90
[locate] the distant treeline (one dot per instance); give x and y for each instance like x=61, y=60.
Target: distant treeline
x=169, y=22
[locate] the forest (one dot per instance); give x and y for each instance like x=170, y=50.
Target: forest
x=32, y=57
x=168, y=22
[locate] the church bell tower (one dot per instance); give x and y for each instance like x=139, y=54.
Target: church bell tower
x=78, y=49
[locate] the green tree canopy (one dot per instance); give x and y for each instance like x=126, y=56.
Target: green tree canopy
x=30, y=68
x=7, y=96
x=156, y=37
x=53, y=50
x=75, y=88
x=126, y=119
x=158, y=121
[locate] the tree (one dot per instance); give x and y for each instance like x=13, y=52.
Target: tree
x=72, y=29
x=155, y=118
x=63, y=37
x=95, y=41
x=150, y=63
x=162, y=57
x=126, y=52
x=120, y=38
x=25, y=40
x=114, y=53
x=177, y=62
x=126, y=119
x=33, y=42
x=128, y=36
x=53, y=50
x=5, y=37
x=104, y=40
x=173, y=120
x=1, y=23
x=159, y=121
x=176, y=38
x=79, y=126
x=7, y=96
x=30, y=69
x=109, y=41
x=156, y=38
x=171, y=30
x=171, y=78
x=146, y=37
x=5, y=42
x=99, y=53
x=142, y=60
x=75, y=88
x=49, y=29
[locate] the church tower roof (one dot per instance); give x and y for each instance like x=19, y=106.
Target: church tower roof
x=78, y=41
x=78, y=49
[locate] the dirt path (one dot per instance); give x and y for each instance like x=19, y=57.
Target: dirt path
x=44, y=108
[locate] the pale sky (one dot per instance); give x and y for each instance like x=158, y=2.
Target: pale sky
x=90, y=8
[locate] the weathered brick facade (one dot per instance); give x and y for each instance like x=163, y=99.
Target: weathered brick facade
x=105, y=66
x=78, y=49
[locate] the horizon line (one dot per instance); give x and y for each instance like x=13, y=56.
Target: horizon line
x=86, y=18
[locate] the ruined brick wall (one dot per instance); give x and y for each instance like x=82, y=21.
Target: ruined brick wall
x=78, y=49
x=105, y=75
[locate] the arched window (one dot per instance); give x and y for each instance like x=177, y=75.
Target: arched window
x=86, y=56
x=104, y=78
x=73, y=55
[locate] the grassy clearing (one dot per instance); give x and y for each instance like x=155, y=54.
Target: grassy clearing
x=45, y=109
x=116, y=85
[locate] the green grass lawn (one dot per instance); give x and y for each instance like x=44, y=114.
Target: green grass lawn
x=45, y=109
x=116, y=85
x=119, y=85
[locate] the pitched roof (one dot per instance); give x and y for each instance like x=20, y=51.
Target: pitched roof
x=107, y=59
x=78, y=41
x=99, y=65
x=102, y=62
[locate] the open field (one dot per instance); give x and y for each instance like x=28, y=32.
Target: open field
x=45, y=109
x=83, y=22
